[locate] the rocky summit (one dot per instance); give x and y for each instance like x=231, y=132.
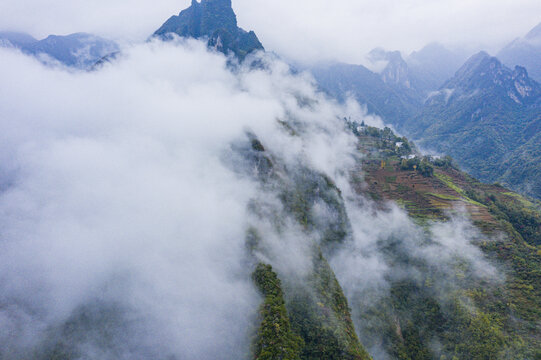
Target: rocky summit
x=216, y=21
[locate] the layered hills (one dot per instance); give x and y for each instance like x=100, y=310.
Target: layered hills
x=482, y=113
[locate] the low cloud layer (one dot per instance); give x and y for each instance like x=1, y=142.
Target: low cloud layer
x=116, y=193
x=113, y=191
x=119, y=193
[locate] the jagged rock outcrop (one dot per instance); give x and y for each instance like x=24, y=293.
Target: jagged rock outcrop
x=396, y=72
x=483, y=72
x=216, y=21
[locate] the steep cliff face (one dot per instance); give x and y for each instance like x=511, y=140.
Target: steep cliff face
x=396, y=72
x=317, y=309
x=216, y=21
x=274, y=339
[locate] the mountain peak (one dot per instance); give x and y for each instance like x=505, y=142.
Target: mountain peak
x=432, y=65
x=17, y=39
x=473, y=63
x=396, y=71
x=80, y=50
x=486, y=73
x=535, y=33
x=479, y=57
x=215, y=21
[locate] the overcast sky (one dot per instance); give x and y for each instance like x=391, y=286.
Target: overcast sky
x=298, y=29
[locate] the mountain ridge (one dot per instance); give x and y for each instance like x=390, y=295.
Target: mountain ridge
x=78, y=50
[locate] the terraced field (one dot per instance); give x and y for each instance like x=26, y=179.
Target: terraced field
x=446, y=191
x=433, y=189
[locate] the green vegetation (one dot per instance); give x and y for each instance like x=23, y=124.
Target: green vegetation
x=445, y=162
x=478, y=336
x=442, y=314
x=445, y=197
x=386, y=141
x=300, y=196
x=275, y=339
x=482, y=121
x=435, y=315
x=317, y=309
x=98, y=324
x=422, y=166
x=466, y=317
x=520, y=198
x=447, y=180
x=521, y=214
x=320, y=314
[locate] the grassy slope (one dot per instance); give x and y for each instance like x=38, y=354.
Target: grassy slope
x=274, y=340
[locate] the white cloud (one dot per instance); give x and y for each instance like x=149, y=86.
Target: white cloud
x=114, y=188
x=114, y=174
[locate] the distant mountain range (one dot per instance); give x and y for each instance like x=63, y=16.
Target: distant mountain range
x=16, y=39
x=78, y=50
x=212, y=20
x=396, y=72
x=397, y=90
x=431, y=66
x=368, y=88
x=422, y=71
x=483, y=113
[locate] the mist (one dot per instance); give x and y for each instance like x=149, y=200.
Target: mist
x=121, y=195
x=389, y=248
x=127, y=191
x=114, y=193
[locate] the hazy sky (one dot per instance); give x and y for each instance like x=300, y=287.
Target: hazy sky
x=300, y=29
